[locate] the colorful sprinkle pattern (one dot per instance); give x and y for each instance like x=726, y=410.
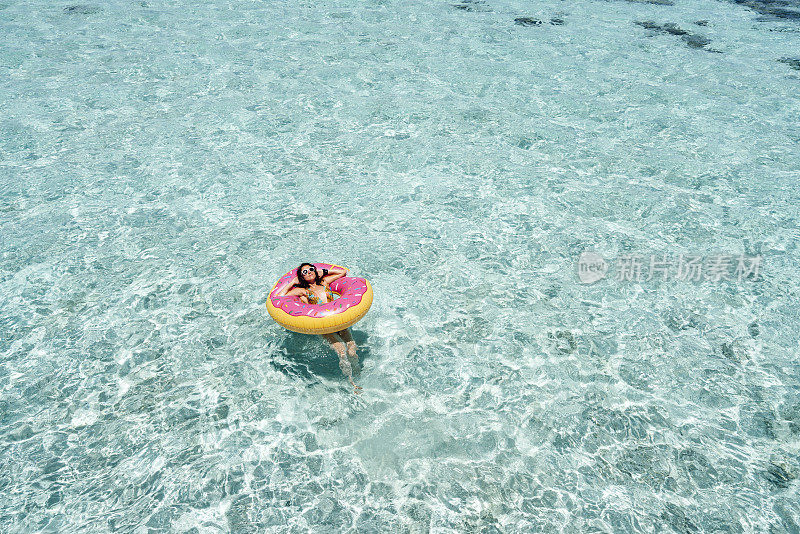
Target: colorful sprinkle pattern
x=350, y=290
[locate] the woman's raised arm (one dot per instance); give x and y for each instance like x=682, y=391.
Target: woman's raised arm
x=334, y=274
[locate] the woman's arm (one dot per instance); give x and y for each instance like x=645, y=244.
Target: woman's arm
x=334, y=274
x=296, y=292
x=287, y=288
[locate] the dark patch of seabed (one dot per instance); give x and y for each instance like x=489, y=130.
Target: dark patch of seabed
x=691, y=39
x=776, y=9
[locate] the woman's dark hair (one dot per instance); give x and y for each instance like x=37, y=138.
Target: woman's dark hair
x=301, y=282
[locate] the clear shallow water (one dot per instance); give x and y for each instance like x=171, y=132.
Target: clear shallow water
x=163, y=163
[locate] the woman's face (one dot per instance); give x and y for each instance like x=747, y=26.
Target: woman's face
x=308, y=273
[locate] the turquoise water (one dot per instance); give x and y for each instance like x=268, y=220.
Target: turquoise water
x=162, y=163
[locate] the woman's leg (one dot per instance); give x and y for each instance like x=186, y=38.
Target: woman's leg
x=351, y=345
x=344, y=365
x=333, y=339
x=351, y=349
x=339, y=347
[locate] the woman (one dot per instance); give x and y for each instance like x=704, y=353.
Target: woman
x=313, y=287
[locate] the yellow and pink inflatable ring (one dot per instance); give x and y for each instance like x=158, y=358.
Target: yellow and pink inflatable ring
x=355, y=298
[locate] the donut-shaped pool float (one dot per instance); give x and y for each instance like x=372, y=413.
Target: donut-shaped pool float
x=355, y=298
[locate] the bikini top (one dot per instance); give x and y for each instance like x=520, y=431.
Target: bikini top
x=314, y=299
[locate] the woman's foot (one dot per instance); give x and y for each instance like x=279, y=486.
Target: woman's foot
x=356, y=388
